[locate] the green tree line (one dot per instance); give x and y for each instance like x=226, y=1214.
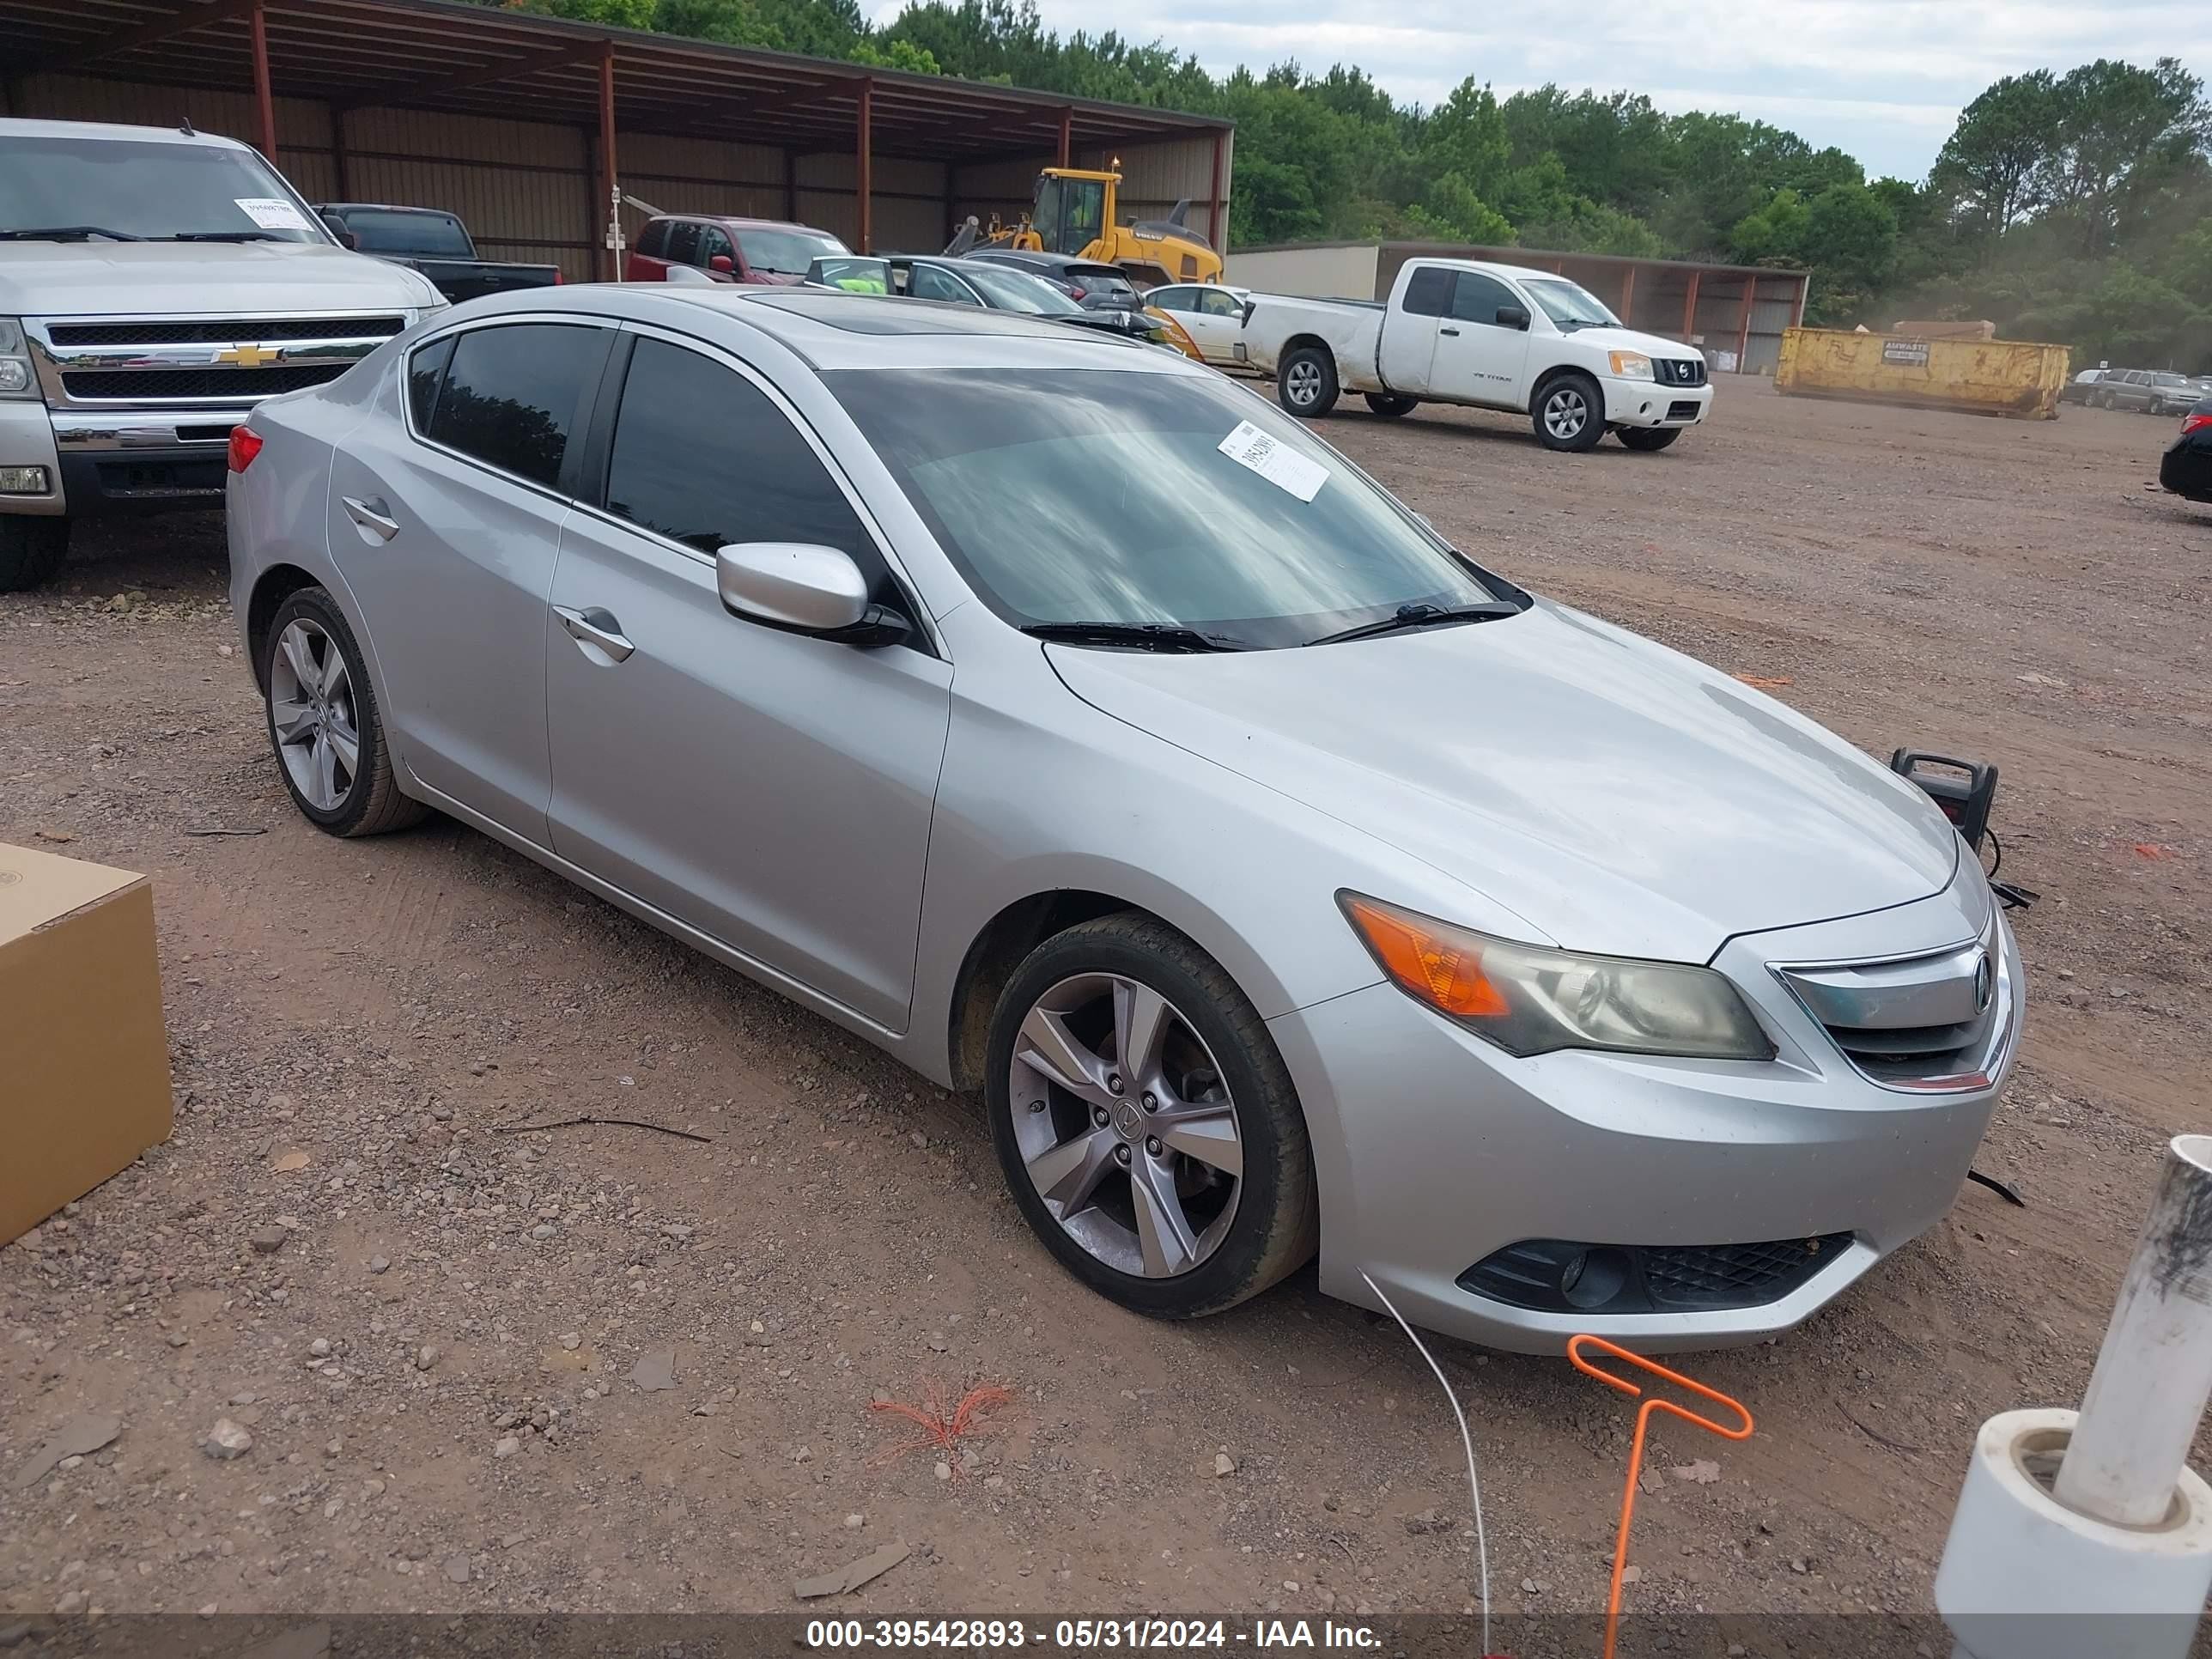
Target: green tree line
x=2073, y=207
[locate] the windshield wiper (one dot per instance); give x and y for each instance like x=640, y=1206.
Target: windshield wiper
x=1149, y=636
x=65, y=232
x=1423, y=615
x=221, y=236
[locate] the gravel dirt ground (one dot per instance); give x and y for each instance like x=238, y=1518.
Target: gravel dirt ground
x=433, y=1360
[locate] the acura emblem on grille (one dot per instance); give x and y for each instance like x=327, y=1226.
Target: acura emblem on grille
x=1985, y=982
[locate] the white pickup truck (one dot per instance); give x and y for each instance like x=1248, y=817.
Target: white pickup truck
x=1491, y=336
x=155, y=283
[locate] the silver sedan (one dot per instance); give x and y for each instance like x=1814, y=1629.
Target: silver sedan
x=1056, y=715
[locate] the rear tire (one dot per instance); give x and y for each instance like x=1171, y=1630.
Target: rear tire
x=1649, y=439
x=1306, y=384
x=1391, y=405
x=1569, y=413
x=31, y=551
x=1234, y=1240
x=319, y=689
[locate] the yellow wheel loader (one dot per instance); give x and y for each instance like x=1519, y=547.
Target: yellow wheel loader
x=1077, y=212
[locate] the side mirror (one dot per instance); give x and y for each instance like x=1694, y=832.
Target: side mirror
x=723, y=263
x=803, y=589
x=1512, y=317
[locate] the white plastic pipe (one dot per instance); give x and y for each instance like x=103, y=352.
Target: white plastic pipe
x=2154, y=1375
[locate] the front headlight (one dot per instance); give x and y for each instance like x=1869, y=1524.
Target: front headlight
x=16, y=379
x=1630, y=365
x=1530, y=1001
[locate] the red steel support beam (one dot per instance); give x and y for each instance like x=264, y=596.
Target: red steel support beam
x=610, y=203
x=1690, y=309
x=865, y=183
x=1067, y=138
x=1628, y=297
x=1216, y=232
x=265, y=100
x=1743, y=328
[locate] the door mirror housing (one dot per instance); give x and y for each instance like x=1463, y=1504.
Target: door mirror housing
x=1512, y=317
x=723, y=263
x=803, y=589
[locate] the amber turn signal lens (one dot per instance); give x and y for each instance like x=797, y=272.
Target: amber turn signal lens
x=1438, y=967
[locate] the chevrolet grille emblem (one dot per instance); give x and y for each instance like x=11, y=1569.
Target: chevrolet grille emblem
x=250, y=357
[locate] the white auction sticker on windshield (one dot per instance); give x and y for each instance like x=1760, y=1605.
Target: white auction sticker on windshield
x=1280, y=465
x=271, y=212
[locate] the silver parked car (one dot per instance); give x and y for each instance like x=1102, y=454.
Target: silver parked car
x=1059, y=716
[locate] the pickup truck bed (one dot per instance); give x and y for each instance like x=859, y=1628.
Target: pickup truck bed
x=434, y=243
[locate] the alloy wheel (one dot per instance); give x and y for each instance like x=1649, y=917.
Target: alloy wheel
x=1125, y=1124
x=1566, y=412
x=311, y=709
x=1303, y=383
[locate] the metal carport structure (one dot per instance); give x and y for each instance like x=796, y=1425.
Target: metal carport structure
x=314, y=79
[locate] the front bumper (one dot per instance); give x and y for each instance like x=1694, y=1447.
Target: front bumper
x=1435, y=1149
x=119, y=461
x=1647, y=403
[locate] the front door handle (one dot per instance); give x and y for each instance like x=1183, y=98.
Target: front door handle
x=371, y=515
x=596, y=626
x=1452, y=332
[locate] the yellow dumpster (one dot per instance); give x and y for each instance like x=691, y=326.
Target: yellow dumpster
x=2014, y=377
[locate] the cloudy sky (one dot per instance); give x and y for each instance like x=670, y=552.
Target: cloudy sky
x=1882, y=79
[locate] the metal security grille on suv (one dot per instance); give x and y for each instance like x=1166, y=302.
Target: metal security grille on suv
x=181, y=363
x=1926, y=1023
x=1679, y=371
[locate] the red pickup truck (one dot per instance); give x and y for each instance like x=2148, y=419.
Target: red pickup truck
x=767, y=252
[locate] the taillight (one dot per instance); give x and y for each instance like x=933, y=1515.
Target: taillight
x=557, y=277
x=2194, y=423
x=244, y=444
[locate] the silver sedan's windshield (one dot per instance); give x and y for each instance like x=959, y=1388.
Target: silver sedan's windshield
x=1017, y=290
x=1112, y=496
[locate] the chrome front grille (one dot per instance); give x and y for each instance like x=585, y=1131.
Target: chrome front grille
x=1936, y=1022
x=185, y=363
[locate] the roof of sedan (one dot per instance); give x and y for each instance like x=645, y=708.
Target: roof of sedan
x=834, y=329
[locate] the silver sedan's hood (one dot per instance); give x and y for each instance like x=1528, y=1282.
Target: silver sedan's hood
x=1618, y=796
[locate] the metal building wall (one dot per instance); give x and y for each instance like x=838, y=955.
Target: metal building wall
x=529, y=190
x=1344, y=270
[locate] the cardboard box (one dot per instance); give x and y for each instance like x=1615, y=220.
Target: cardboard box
x=84, y=1059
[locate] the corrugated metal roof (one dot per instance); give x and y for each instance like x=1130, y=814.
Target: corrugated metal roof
x=442, y=55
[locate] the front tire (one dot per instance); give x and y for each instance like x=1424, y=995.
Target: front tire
x=1146, y=1122
x=1391, y=405
x=31, y=551
x=324, y=724
x=1306, y=384
x=1570, y=414
x=1649, y=439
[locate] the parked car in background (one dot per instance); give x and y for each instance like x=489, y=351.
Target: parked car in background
x=2081, y=388
x=763, y=252
x=2187, y=468
x=1212, y=314
x=2145, y=391
x=1486, y=336
x=1095, y=286
x=434, y=242
x=993, y=288
x=1653, y=1010
x=155, y=283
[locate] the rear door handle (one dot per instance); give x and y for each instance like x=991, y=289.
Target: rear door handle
x=371, y=515
x=1452, y=332
x=596, y=626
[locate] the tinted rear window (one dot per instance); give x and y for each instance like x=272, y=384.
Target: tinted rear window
x=512, y=393
x=436, y=235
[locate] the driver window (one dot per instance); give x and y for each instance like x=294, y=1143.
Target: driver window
x=927, y=283
x=714, y=244
x=1217, y=304
x=1475, y=298
x=683, y=243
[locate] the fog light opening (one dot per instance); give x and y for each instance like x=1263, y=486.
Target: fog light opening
x=1591, y=1278
x=23, y=481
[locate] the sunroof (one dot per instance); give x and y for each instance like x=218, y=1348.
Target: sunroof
x=862, y=313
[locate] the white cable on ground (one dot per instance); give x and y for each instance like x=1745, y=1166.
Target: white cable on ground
x=1473, y=1481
